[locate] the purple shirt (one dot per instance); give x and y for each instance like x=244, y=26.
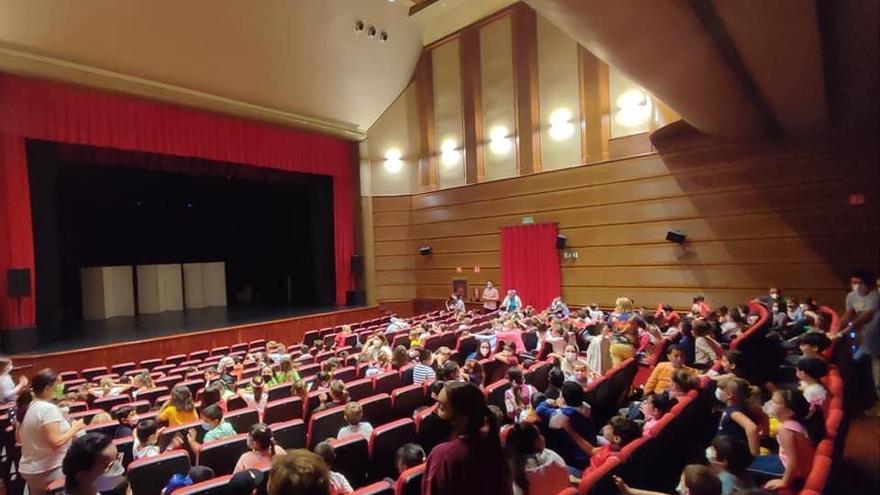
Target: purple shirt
x=467, y=467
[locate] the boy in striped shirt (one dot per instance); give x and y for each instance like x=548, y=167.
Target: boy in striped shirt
x=423, y=371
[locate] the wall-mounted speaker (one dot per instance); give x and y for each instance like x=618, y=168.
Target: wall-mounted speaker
x=425, y=250
x=560, y=241
x=18, y=282
x=357, y=264
x=676, y=237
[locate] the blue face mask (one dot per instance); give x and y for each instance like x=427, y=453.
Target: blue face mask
x=207, y=426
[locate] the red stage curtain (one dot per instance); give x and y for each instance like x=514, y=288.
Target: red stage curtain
x=16, y=236
x=64, y=113
x=530, y=263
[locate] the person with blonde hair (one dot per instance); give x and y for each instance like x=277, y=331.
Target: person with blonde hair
x=624, y=323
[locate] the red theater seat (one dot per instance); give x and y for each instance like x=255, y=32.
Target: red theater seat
x=351, y=452
x=151, y=394
x=384, y=383
x=213, y=486
x=89, y=374
x=199, y=355
x=819, y=472
x=325, y=424
x=385, y=441
x=149, y=476
x=175, y=359
x=377, y=408
x=283, y=410
x=347, y=374
x=107, y=403
x=279, y=391
x=599, y=480
x=405, y=400
x=410, y=481
x=122, y=368
x=243, y=419
x=359, y=389
x=495, y=394
x=67, y=376
x=289, y=434
x=377, y=488
x=222, y=455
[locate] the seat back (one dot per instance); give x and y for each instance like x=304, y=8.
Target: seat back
x=346, y=374
x=359, y=389
x=283, y=410
x=377, y=408
x=324, y=424
x=599, y=480
x=122, y=368
x=213, y=486
x=495, y=394
x=405, y=400
x=89, y=374
x=410, y=481
x=125, y=445
x=350, y=454
x=279, y=391
x=540, y=374
x=149, y=476
x=385, y=383
x=384, y=442
x=243, y=419
x=377, y=488
x=289, y=434
x=235, y=403
x=222, y=455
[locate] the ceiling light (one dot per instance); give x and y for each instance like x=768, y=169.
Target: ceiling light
x=449, y=154
x=393, y=163
x=499, y=142
x=561, y=127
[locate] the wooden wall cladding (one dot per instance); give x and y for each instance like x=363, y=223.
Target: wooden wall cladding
x=756, y=215
x=288, y=330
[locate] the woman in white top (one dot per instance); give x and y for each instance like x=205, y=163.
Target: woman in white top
x=8, y=389
x=536, y=470
x=44, y=434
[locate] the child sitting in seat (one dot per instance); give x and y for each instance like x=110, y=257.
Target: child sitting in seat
x=791, y=466
x=338, y=481
x=619, y=432
x=654, y=407
x=516, y=398
x=809, y=371
x=126, y=416
x=729, y=362
x=146, y=440
x=813, y=344
x=408, y=456
x=354, y=414
x=213, y=423
x=683, y=382
x=263, y=448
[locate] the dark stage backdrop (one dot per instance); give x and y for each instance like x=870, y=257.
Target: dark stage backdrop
x=267, y=227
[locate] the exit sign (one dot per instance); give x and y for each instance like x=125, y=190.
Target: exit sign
x=528, y=220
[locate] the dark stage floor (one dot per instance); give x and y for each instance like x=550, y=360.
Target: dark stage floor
x=82, y=334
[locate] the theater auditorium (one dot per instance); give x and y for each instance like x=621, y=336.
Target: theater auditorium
x=439, y=247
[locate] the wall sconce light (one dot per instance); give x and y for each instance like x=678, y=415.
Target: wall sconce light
x=393, y=163
x=449, y=154
x=499, y=142
x=570, y=255
x=561, y=127
x=634, y=108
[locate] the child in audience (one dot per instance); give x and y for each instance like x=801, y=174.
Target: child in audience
x=696, y=479
x=338, y=482
x=792, y=464
x=9, y=390
x=216, y=428
x=687, y=341
x=263, y=448
x=338, y=396
x=809, y=371
x=126, y=416
x=683, y=382
x=256, y=395
x=287, y=372
x=484, y=351
x=660, y=379
x=729, y=362
x=344, y=333
x=146, y=440
x=555, y=379
x=322, y=381
x=583, y=375
x=423, y=371
x=619, y=432
x=735, y=419
x=536, y=469
x=354, y=414
x=450, y=372
x=653, y=408
x=474, y=371
x=300, y=389
x=408, y=456
x=196, y=474
x=516, y=398
x=569, y=418
x=706, y=348
x=813, y=344
x=305, y=354
x=179, y=410
x=730, y=458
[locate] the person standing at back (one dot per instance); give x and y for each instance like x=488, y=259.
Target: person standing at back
x=490, y=298
x=472, y=462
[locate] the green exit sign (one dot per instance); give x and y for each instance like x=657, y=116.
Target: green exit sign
x=528, y=220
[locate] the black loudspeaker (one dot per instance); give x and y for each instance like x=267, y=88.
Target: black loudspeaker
x=355, y=298
x=676, y=237
x=425, y=250
x=560, y=241
x=357, y=264
x=18, y=282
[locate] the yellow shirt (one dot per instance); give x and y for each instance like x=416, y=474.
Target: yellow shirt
x=661, y=378
x=177, y=418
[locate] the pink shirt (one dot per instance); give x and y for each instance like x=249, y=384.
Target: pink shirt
x=802, y=445
x=490, y=294
x=256, y=460
x=514, y=336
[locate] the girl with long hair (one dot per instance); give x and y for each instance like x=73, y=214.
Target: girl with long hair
x=536, y=470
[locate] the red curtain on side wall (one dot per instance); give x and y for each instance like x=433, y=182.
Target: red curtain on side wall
x=530, y=263
x=64, y=113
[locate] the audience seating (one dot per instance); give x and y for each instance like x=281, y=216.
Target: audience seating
x=149, y=476
x=289, y=434
x=377, y=408
x=351, y=453
x=406, y=399
x=325, y=424
x=222, y=455
x=377, y=488
x=214, y=486
x=410, y=481
x=385, y=441
x=243, y=419
x=359, y=389
x=384, y=383
x=283, y=409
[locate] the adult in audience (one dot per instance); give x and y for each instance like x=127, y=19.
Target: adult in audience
x=300, y=472
x=8, y=389
x=558, y=308
x=44, y=434
x=179, y=410
x=455, y=303
x=511, y=302
x=536, y=469
x=861, y=303
x=472, y=462
x=263, y=449
x=490, y=298
x=91, y=466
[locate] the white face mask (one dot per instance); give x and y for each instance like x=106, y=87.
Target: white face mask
x=718, y=395
x=571, y=356
x=855, y=287
x=711, y=455
x=774, y=295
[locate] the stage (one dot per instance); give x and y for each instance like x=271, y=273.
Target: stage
x=123, y=339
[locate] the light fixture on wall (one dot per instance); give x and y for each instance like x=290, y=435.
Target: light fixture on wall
x=561, y=127
x=449, y=155
x=393, y=163
x=499, y=140
x=633, y=108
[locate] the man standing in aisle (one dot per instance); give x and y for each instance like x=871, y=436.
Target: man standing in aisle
x=512, y=302
x=490, y=298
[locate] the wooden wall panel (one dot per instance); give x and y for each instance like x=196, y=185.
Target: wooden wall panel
x=756, y=215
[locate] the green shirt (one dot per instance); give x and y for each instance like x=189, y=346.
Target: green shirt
x=291, y=376
x=219, y=432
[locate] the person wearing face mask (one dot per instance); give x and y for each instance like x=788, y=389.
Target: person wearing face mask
x=696, y=479
x=862, y=305
x=567, y=360
x=735, y=420
x=791, y=466
x=569, y=418
x=8, y=389
x=92, y=465
x=263, y=449
x=433, y=429
x=730, y=458
x=214, y=425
